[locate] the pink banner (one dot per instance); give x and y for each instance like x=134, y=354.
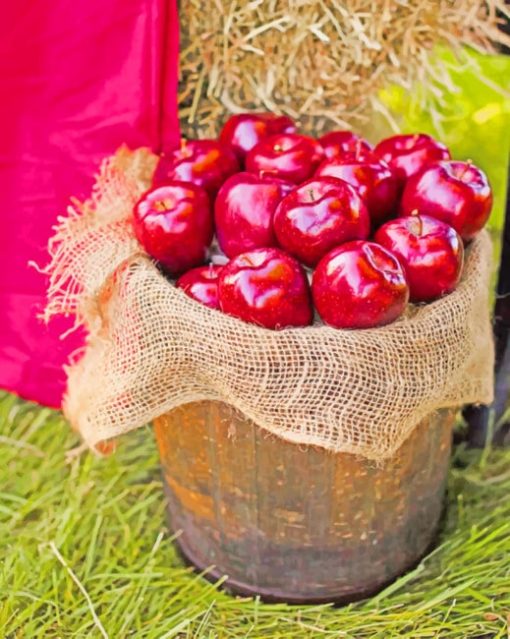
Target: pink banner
x=77, y=79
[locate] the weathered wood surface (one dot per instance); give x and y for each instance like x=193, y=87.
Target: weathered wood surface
x=298, y=524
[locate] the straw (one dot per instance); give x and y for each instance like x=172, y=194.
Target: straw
x=320, y=62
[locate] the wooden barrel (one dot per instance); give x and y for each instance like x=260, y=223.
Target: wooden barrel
x=293, y=523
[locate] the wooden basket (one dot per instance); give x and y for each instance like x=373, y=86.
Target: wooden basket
x=298, y=524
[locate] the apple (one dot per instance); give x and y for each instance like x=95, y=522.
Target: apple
x=372, y=178
x=174, y=225
x=359, y=285
x=244, y=210
x=206, y=163
x=409, y=153
x=431, y=252
x=340, y=143
x=244, y=130
x=201, y=284
x=318, y=215
x=289, y=156
x=266, y=287
x=457, y=193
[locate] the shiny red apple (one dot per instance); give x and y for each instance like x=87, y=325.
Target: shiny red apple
x=431, y=252
x=174, y=225
x=340, y=143
x=318, y=215
x=206, y=163
x=244, y=210
x=359, y=285
x=458, y=193
x=201, y=284
x=409, y=153
x=289, y=156
x=266, y=287
x=371, y=177
x=244, y=130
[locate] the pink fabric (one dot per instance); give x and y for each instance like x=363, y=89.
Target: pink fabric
x=77, y=79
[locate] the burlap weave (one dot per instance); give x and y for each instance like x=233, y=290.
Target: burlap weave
x=151, y=348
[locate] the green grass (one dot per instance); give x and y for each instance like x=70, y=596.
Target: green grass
x=84, y=545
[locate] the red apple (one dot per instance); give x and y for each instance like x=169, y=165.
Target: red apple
x=291, y=157
x=244, y=130
x=371, y=177
x=266, y=287
x=174, y=225
x=456, y=192
x=340, y=143
x=319, y=215
x=244, y=210
x=431, y=252
x=201, y=283
x=359, y=285
x=206, y=163
x=408, y=154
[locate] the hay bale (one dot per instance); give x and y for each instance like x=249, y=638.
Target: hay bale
x=322, y=62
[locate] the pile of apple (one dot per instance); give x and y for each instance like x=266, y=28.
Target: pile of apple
x=371, y=228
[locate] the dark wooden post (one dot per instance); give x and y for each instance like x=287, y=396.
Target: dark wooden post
x=502, y=328
x=486, y=420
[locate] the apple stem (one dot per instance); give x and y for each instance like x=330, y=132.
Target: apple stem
x=417, y=225
x=358, y=148
x=162, y=205
x=469, y=164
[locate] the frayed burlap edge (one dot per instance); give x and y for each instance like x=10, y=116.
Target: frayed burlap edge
x=151, y=348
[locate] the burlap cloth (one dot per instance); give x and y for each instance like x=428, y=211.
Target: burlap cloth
x=151, y=348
